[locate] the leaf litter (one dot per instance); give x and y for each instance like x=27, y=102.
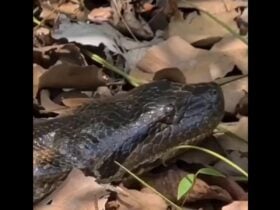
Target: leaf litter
x=149, y=40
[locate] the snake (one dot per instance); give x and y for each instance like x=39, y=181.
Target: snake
x=136, y=128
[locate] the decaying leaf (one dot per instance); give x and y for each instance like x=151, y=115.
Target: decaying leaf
x=239, y=128
x=71, y=8
x=76, y=102
x=37, y=72
x=167, y=181
x=72, y=76
x=213, y=6
x=237, y=205
x=126, y=20
x=242, y=106
x=100, y=15
x=198, y=27
x=197, y=65
x=139, y=200
x=49, y=105
x=236, y=50
x=67, y=53
x=230, y=185
x=42, y=37
x=76, y=192
x=233, y=92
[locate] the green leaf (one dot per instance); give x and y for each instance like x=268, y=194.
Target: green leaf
x=185, y=185
x=209, y=171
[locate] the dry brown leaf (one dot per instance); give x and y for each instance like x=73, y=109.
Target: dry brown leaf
x=242, y=106
x=42, y=37
x=230, y=185
x=197, y=65
x=171, y=74
x=239, y=128
x=236, y=50
x=126, y=20
x=49, y=55
x=37, y=72
x=102, y=14
x=167, y=181
x=237, y=205
x=73, y=9
x=72, y=76
x=201, y=27
x=76, y=102
x=213, y=6
x=233, y=92
x=48, y=104
x=145, y=76
x=139, y=200
x=77, y=192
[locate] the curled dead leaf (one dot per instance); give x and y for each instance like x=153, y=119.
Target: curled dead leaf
x=76, y=102
x=72, y=76
x=128, y=199
x=67, y=53
x=236, y=50
x=237, y=205
x=233, y=92
x=197, y=65
x=102, y=14
x=197, y=27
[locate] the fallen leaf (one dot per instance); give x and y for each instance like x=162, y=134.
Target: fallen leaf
x=213, y=6
x=48, y=104
x=167, y=181
x=236, y=50
x=230, y=185
x=242, y=106
x=67, y=53
x=102, y=14
x=239, y=128
x=196, y=64
x=72, y=76
x=42, y=37
x=233, y=92
x=77, y=192
x=129, y=199
x=171, y=74
x=37, y=72
x=68, y=94
x=237, y=205
x=76, y=102
x=126, y=20
x=244, y=15
x=73, y=9
x=197, y=27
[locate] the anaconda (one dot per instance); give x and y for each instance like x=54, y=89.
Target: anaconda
x=136, y=129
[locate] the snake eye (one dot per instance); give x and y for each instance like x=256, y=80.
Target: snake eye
x=213, y=92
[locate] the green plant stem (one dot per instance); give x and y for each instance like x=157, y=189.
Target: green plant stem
x=36, y=21
x=133, y=81
x=229, y=162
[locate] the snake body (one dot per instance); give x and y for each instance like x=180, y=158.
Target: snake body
x=136, y=129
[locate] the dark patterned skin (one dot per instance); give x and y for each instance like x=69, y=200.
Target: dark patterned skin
x=136, y=129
